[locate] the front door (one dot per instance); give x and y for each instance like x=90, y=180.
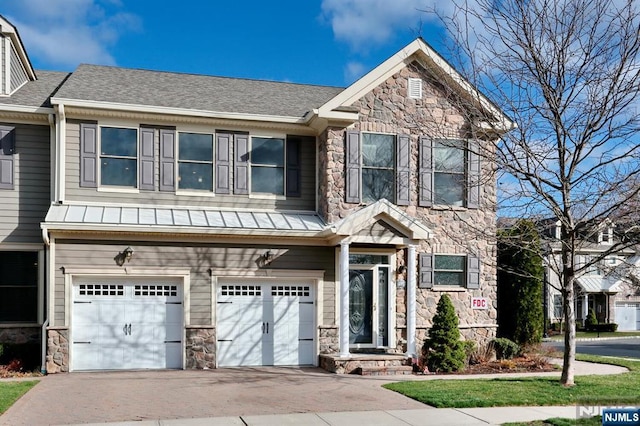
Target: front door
x=369, y=305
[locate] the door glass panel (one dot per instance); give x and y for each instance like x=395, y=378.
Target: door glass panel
x=383, y=315
x=360, y=306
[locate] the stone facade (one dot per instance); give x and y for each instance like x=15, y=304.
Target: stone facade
x=57, y=350
x=329, y=340
x=200, y=347
x=388, y=109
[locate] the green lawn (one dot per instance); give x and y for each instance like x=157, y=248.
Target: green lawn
x=594, y=335
x=11, y=391
x=592, y=421
x=609, y=389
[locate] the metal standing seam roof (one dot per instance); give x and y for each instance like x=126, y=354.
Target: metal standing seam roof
x=193, y=92
x=595, y=284
x=182, y=218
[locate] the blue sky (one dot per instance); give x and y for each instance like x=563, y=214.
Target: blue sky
x=326, y=42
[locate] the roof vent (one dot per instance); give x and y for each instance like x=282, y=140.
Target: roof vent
x=415, y=88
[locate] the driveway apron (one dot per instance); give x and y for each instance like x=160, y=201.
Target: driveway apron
x=170, y=394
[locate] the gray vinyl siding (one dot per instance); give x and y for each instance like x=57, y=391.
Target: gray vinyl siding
x=199, y=259
x=24, y=207
x=18, y=74
x=74, y=192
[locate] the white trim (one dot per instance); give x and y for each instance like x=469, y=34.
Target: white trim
x=41, y=290
x=11, y=32
x=51, y=273
x=61, y=168
x=7, y=66
x=231, y=273
x=344, y=300
x=178, y=111
x=120, y=189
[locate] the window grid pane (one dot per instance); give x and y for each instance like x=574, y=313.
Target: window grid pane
x=450, y=270
x=377, y=184
x=267, y=151
x=267, y=179
x=378, y=150
x=195, y=147
x=118, y=171
x=195, y=176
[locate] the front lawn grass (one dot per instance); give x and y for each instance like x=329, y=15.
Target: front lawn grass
x=597, y=390
x=591, y=421
x=595, y=335
x=10, y=392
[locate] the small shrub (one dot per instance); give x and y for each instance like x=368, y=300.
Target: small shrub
x=505, y=348
x=469, y=347
x=611, y=326
x=592, y=321
x=483, y=354
x=445, y=350
x=508, y=364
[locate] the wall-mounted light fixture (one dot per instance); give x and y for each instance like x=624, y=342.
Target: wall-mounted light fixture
x=265, y=258
x=400, y=282
x=124, y=255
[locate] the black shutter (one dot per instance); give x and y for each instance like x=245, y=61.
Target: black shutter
x=426, y=270
x=294, y=146
x=167, y=160
x=425, y=193
x=403, y=170
x=241, y=164
x=88, y=155
x=352, y=178
x=7, y=149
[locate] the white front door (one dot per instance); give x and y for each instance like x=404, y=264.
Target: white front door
x=265, y=324
x=126, y=324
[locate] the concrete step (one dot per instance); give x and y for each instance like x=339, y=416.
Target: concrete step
x=387, y=370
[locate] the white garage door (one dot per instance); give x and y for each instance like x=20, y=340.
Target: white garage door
x=265, y=324
x=122, y=325
x=628, y=316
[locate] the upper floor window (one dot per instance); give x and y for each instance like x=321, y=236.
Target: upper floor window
x=151, y=158
x=118, y=156
x=267, y=165
x=449, y=270
x=195, y=161
x=449, y=172
x=378, y=167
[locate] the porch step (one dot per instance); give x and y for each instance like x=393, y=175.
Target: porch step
x=387, y=370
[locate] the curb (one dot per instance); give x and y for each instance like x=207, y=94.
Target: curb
x=589, y=339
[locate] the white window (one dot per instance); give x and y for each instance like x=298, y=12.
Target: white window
x=118, y=157
x=195, y=161
x=378, y=167
x=267, y=165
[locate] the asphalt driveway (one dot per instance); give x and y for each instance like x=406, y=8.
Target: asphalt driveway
x=144, y=395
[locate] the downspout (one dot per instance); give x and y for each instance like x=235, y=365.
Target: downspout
x=45, y=323
x=60, y=169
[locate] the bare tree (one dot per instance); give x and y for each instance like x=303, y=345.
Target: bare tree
x=568, y=74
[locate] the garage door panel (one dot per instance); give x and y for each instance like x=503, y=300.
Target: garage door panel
x=265, y=327
x=129, y=325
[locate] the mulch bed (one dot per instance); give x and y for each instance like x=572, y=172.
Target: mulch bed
x=523, y=364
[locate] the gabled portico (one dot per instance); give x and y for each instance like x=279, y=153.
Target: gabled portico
x=370, y=271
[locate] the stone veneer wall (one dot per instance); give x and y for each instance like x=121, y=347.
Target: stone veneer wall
x=200, y=347
x=387, y=109
x=329, y=340
x=57, y=350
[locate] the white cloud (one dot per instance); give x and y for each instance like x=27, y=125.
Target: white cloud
x=354, y=70
x=365, y=22
x=65, y=33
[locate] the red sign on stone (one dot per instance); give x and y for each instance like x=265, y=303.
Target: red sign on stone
x=479, y=303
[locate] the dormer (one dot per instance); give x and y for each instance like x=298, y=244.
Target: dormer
x=15, y=67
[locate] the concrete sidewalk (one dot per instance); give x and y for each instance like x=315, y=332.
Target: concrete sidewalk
x=419, y=417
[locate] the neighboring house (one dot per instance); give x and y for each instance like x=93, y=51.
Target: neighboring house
x=164, y=220
x=609, y=286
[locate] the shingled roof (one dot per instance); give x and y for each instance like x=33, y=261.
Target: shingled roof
x=37, y=93
x=195, y=92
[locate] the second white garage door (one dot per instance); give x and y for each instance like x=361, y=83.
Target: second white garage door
x=265, y=324
x=628, y=316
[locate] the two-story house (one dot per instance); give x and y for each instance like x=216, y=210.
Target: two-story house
x=607, y=280
x=166, y=220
